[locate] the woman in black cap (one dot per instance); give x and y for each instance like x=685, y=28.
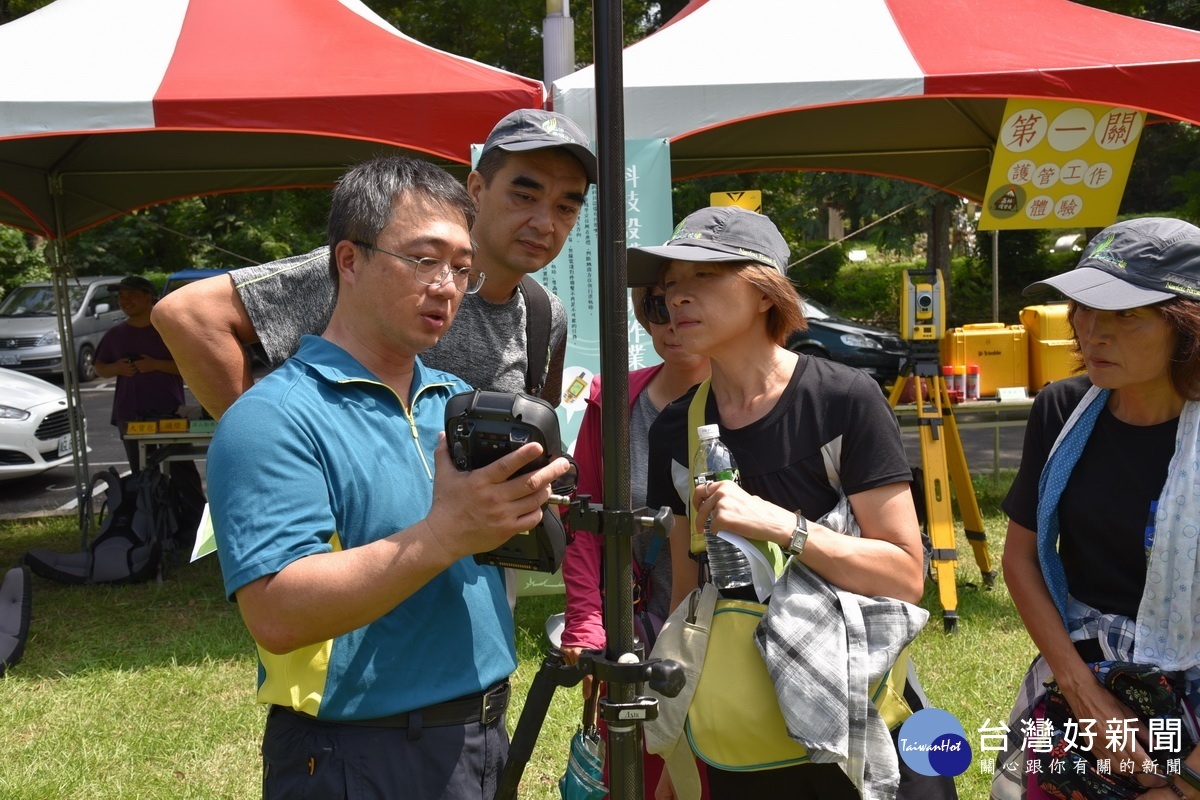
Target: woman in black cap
x=809, y=437
x=1101, y=554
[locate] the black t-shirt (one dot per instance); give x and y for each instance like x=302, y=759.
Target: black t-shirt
x=1108, y=502
x=779, y=456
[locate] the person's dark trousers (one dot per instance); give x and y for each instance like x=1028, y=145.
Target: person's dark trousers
x=309, y=758
x=186, y=493
x=187, y=501
x=131, y=453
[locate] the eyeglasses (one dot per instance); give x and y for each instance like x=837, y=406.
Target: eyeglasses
x=654, y=306
x=434, y=271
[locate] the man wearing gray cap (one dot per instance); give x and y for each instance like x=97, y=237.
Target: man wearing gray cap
x=528, y=188
x=1101, y=555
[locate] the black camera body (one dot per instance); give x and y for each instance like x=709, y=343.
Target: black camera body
x=482, y=427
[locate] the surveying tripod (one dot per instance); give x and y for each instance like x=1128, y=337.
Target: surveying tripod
x=942, y=459
x=623, y=711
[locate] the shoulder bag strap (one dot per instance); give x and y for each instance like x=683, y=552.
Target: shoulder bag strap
x=537, y=333
x=695, y=420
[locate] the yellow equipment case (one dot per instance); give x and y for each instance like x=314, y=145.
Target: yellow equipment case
x=1051, y=344
x=1000, y=351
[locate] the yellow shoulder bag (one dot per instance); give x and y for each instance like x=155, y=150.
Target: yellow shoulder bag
x=734, y=722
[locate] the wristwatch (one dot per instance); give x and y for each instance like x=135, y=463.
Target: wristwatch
x=799, y=536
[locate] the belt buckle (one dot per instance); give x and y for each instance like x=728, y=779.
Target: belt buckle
x=499, y=693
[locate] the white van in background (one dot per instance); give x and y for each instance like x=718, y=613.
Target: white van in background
x=29, y=340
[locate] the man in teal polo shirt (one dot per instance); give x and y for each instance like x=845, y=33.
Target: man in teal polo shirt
x=345, y=533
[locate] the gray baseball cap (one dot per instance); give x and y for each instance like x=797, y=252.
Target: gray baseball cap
x=716, y=233
x=533, y=129
x=1138, y=262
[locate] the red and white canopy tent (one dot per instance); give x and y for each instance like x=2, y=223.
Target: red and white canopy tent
x=107, y=106
x=910, y=89
x=111, y=105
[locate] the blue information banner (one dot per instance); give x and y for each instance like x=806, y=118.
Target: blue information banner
x=575, y=275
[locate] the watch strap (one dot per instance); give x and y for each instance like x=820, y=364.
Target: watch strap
x=799, y=536
x=1189, y=776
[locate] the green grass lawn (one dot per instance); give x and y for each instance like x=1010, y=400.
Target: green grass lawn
x=148, y=691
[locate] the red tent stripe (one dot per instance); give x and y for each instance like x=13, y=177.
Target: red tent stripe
x=329, y=71
x=1050, y=48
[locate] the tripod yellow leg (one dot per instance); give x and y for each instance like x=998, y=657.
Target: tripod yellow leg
x=938, y=510
x=964, y=490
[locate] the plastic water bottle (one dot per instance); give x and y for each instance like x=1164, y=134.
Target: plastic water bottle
x=727, y=565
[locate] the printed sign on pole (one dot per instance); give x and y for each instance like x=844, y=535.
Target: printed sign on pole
x=750, y=199
x=575, y=275
x=1060, y=165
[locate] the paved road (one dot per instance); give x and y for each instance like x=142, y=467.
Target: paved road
x=53, y=492
x=979, y=446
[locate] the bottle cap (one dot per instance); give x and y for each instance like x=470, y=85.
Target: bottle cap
x=709, y=432
x=973, y=369
x=947, y=370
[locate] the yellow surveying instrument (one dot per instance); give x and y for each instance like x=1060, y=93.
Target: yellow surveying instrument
x=923, y=317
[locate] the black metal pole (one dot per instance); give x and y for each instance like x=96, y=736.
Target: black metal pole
x=624, y=737
x=61, y=275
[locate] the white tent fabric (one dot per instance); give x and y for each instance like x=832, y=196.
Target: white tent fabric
x=905, y=88
x=125, y=103
x=124, y=68
x=722, y=61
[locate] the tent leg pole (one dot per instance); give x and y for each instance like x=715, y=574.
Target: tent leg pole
x=60, y=274
x=995, y=276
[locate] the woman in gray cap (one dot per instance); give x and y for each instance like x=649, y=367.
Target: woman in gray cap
x=807, y=434
x=1101, y=555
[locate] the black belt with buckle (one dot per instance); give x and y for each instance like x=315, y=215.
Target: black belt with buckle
x=485, y=707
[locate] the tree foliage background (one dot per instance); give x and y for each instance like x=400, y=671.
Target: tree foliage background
x=892, y=216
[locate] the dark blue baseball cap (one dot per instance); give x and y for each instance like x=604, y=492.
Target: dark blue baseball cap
x=1138, y=262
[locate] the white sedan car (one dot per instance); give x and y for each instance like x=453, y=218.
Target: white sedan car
x=35, y=432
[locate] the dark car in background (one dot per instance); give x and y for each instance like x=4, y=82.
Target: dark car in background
x=877, y=351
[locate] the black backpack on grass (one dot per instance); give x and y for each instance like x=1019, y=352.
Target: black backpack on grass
x=129, y=545
x=16, y=600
